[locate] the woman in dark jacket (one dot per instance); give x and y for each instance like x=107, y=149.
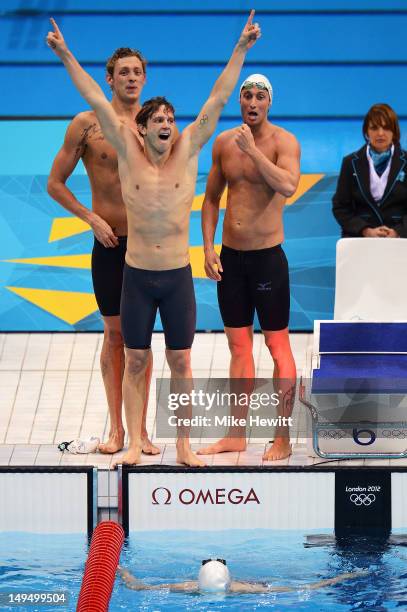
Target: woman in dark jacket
x=371, y=195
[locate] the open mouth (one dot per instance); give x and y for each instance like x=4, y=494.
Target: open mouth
x=164, y=136
x=252, y=114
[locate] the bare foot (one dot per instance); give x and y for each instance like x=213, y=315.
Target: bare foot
x=280, y=449
x=187, y=457
x=226, y=445
x=131, y=457
x=148, y=448
x=113, y=445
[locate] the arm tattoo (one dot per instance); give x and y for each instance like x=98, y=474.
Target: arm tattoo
x=203, y=120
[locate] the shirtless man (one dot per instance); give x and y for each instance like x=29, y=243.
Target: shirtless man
x=214, y=577
x=126, y=74
x=260, y=164
x=158, y=186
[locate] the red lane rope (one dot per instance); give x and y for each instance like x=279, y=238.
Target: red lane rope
x=100, y=569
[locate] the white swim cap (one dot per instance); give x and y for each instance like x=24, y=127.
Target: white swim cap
x=259, y=81
x=214, y=576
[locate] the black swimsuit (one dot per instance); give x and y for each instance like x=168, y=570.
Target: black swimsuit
x=169, y=291
x=107, y=276
x=254, y=280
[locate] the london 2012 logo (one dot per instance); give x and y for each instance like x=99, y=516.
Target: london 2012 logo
x=362, y=499
x=162, y=496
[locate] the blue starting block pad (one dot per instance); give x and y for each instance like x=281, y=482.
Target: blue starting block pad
x=356, y=389
x=360, y=337
x=378, y=373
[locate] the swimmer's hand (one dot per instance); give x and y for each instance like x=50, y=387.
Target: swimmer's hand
x=56, y=41
x=250, y=33
x=103, y=231
x=213, y=265
x=244, y=138
x=130, y=581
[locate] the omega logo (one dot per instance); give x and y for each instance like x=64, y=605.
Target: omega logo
x=163, y=498
x=215, y=497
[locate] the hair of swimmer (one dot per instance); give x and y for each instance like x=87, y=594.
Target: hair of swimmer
x=152, y=106
x=124, y=52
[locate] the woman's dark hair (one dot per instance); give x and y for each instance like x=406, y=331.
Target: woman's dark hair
x=382, y=115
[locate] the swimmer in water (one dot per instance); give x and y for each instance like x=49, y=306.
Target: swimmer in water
x=214, y=577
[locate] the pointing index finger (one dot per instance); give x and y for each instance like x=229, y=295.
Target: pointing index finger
x=251, y=16
x=54, y=25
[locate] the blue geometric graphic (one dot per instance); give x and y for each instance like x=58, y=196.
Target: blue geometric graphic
x=51, y=294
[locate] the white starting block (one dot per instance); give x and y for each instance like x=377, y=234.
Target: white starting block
x=355, y=384
x=369, y=279
x=356, y=390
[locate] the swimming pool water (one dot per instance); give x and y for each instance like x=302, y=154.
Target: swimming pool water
x=42, y=563
x=53, y=563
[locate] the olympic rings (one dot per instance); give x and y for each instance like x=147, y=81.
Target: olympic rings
x=333, y=434
x=362, y=499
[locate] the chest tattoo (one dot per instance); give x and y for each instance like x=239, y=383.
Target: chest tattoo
x=91, y=132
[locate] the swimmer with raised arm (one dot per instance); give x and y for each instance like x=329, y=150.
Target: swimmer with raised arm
x=126, y=75
x=214, y=577
x=158, y=187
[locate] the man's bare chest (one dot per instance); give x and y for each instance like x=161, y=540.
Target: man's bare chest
x=96, y=151
x=237, y=165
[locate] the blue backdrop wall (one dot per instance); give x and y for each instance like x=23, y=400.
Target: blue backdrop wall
x=328, y=64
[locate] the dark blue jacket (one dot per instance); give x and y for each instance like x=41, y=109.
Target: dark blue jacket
x=353, y=205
